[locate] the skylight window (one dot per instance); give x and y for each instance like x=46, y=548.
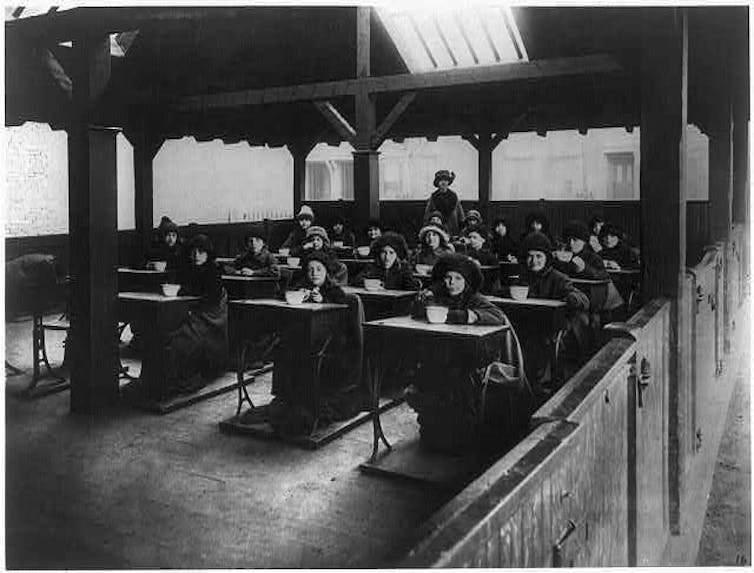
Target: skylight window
x=442, y=39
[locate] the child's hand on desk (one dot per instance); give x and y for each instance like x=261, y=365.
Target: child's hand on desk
x=425, y=296
x=579, y=263
x=512, y=259
x=315, y=295
x=612, y=265
x=247, y=272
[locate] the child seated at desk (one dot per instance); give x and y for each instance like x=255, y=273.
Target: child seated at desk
x=340, y=233
x=445, y=390
x=504, y=247
x=615, y=252
x=198, y=348
x=317, y=241
x=168, y=247
x=341, y=393
x=256, y=260
x=434, y=242
x=435, y=218
x=390, y=266
x=546, y=282
x=296, y=237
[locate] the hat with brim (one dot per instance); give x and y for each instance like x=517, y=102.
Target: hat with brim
x=390, y=239
x=467, y=267
x=322, y=257
x=305, y=213
x=473, y=216
x=449, y=176
x=536, y=241
x=444, y=237
x=203, y=243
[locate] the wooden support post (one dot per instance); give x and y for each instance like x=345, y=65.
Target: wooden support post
x=299, y=150
x=721, y=180
x=145, y=145
x=741, y=193
x=664, y=107
x=93, y=236
x=366, y=166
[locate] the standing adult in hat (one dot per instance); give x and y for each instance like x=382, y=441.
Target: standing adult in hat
x=297, y=236
x=445, y=200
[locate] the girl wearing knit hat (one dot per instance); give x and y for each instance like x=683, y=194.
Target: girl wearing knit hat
x=317, y=241
x=389, y=252
x=445, y=200
x=434, y=242
x=304, y=220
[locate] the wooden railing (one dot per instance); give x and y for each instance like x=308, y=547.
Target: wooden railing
x=604, y=477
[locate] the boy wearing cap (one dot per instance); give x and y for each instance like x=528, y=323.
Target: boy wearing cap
x=296, y=237
x=256, y=259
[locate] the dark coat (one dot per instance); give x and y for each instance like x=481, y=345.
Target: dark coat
x=449, y=205
x=504, y=246
x=487, y=313
x=198, y=348
x=621, y=254
x=295, y=239
x=554, y=285
x=177, y=256
x=425, y=256
x=483, y=255
x=594, y=266
x=399, y=276
x=263, y=264
x=348, y=238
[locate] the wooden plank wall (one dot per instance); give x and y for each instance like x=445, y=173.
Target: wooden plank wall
x=404, y=216
x=571, y=468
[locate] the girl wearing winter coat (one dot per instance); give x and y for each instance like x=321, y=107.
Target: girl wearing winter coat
x=502, y=244
x=445, y=200
x=434, y=242
x=390, y=266
x=615, y=252
x=198, y=348
x=256, y=259
x=317, y=241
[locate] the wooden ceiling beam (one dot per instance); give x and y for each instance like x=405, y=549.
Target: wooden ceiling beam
x=500, y=73
x=382, y=130
x=336, y=119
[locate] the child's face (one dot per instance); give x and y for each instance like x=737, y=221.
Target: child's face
x=257, y=244
x=373, y=232
x=454, y=283
x=432, y=239
x=171, y=238
x=535, y=261
x=388, y=256
x=476, y=240
x=435, y=221
x=198, y=257
x=443, y=184
x=575, y=245
x=597, y=227
x=317, y=273
x=501, y=230
x=536, y=225
x=318, y=242
x=338, y=228
x=304, y=223
x=611, y=241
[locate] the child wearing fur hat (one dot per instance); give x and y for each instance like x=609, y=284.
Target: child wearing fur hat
x=318, y=241
x=198, y=348
x=445, y=200
x=537, y=221
x=256, y=259
x=304, y=220
x=435, y=218
x=434, y=242
x=389, y=252
x=456, y=280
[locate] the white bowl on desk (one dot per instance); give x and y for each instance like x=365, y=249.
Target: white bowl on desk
x=284, y=252
x=362, y=251
x=423, y=270
x=519, y=292
x=157, y=266
x=295, y=297
x=373, y=284
x=437, y=314
x=170, y=289
x=338, y=244
x=293, y=261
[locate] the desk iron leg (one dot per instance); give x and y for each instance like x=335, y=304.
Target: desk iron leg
x=243, y=394
x=375, y=372
x=556, y=366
